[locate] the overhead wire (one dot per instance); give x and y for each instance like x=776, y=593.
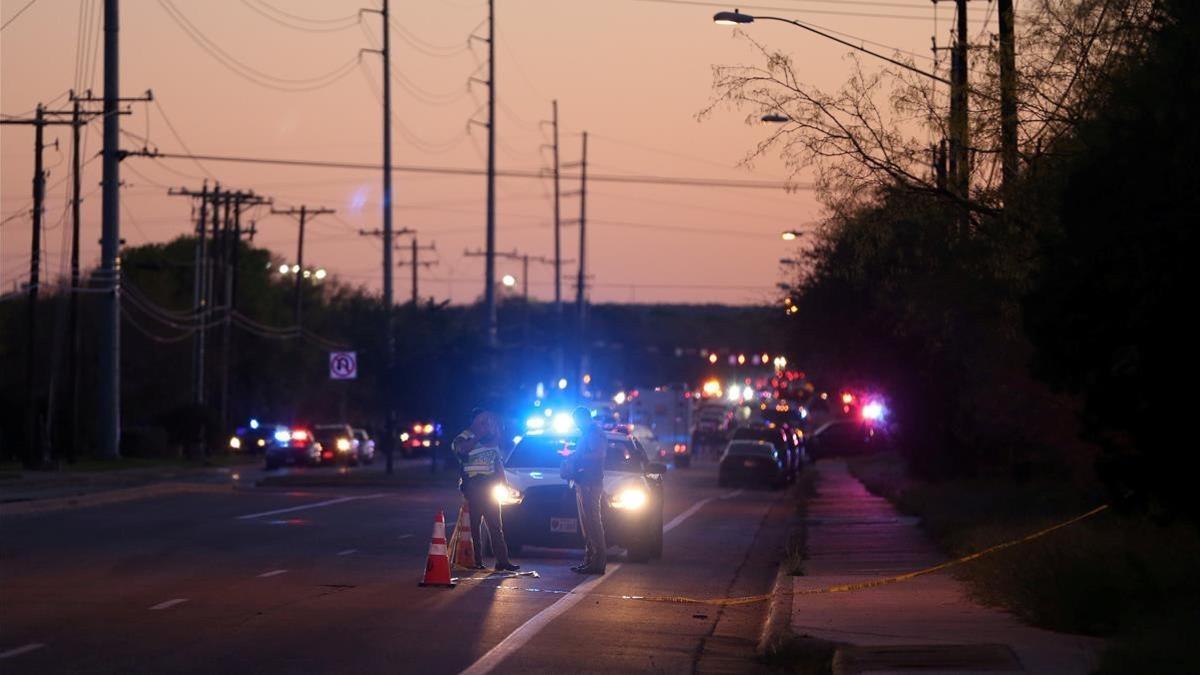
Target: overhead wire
x=248, y=72
x=326, y=26
x=14, y=17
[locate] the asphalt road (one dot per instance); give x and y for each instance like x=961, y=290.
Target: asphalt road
x=325, y=581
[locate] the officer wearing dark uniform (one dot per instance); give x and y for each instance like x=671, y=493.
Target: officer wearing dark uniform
x=588, y=474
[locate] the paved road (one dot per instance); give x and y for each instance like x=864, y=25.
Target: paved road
x=314, y=580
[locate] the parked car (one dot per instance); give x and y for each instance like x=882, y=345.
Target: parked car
x=293, y=447
x=749, y=462
x=540, y=509
x=421, y=437
x=785, y=440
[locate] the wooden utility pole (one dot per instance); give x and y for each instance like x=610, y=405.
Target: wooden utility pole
x=303, y=213
x=580, y=291
x=960, y=171
x=1008, y=97
x=416, y=263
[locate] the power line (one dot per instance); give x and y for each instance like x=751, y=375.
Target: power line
x=504, y=173
x=19, y=13
x=249, y=72
x=327, y=24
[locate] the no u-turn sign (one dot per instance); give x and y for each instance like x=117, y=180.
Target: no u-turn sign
x=343, y=365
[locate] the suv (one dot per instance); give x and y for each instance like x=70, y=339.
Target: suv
x=366, y=446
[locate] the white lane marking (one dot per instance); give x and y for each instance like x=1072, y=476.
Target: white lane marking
x=272, y=573
x=169, y=603
x=526, y=631
x=533, y=626
x=33, y=646
x=317, y=505
x=405, y=536
x=348, y=551
x=678, y=520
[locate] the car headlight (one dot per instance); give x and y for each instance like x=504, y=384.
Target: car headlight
x=235, y=443
x=343, y=444
x=630, y=499
x=506, y=495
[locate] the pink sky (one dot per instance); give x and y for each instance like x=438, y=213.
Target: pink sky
x=632, y=73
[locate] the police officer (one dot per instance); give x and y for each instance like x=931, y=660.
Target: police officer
x=588, y=475
x=478, y=452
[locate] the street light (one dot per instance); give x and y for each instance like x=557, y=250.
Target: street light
x=736, y=18
x=508, y=280
x=776, y=118
x=791, y=235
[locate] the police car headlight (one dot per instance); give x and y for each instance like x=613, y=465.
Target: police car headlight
x=235, y=443
x=506, y=495
x=343, y=444
x=630, y=499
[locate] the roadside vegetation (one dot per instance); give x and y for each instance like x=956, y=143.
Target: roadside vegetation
x=1028, y=334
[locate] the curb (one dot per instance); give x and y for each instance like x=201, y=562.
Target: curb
x=104, y=497
x=777, y=624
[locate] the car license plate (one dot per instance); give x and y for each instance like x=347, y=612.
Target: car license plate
x=564, y=525
x=750, y=463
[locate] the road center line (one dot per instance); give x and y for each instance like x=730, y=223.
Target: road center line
x=272, y=573
x=305, y=507
x=526, y=631
x=169, y=603
x=691, y=511
x=33, y=646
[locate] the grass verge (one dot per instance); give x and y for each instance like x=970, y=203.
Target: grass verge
x=1120, y=577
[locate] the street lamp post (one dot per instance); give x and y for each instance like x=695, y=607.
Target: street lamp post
x=736, y=18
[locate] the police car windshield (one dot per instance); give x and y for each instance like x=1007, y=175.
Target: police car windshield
x=542, y=452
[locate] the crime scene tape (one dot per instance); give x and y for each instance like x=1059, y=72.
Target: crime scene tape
x=839, y=588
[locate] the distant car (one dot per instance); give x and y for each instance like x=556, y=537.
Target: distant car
x=254, y=438
x=747, y=462
x=540, y=509
x=366, y=446
x=338, y=445
x=785, y=440
x=421, y=437
x=293, y=447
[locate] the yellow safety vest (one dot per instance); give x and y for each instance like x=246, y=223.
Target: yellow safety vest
x=481, y=461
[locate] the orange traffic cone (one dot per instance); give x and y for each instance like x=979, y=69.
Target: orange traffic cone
x=437, y=565
x=463, y=551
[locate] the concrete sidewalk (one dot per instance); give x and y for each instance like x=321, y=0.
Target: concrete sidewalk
x=927, y=624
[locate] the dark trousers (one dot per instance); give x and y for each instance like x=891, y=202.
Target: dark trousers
x=587, y=498
x=483, y=506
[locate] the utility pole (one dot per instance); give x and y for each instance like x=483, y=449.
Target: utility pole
x=389, y=434
x=231, y=241
x=557, y=225
x=109, y=339
x=489, y=268
x=580, y=295
x=199, y=282
x=39, y=122
x=73, y=302
x=416, y=263
x=303, y=212
x=35, y=263
x=960, y=170
x=1008, y=97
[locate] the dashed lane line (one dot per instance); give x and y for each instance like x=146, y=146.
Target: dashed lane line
x=526, y=631
x=691, y=511
x=33, y=646
x=348, y=551
x=305, y=507
x=272, y=573
x=169, y=603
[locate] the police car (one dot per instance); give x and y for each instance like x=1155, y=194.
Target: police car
x=540, y=509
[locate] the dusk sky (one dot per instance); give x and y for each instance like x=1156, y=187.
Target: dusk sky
x=632, y=73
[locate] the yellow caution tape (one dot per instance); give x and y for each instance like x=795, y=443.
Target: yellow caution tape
x=873, y=583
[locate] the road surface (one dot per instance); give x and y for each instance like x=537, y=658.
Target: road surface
x=276, y=580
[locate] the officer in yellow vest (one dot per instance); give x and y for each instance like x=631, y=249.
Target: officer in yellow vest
x=478, y=452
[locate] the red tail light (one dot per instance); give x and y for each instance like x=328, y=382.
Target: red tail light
x=680, y=448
